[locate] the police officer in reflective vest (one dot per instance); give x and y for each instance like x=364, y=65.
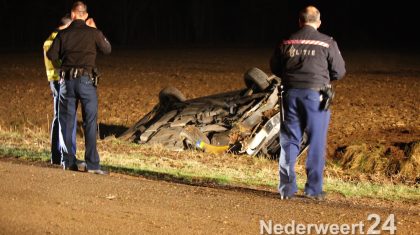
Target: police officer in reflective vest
x=77, y=47
x=306, y=62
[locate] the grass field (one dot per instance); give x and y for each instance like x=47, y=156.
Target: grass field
x=199, y=168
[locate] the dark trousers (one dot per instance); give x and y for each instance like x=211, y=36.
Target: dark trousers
x=301, y=112
x=55, y=127
x=72, y=91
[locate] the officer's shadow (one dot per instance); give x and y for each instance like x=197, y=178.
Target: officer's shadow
x=104, y=130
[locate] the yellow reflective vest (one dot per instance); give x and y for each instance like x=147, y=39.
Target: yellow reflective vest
x=52, y=72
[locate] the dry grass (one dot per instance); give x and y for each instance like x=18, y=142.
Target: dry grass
x=410, y=168
x=203, y=168
x=383, y=163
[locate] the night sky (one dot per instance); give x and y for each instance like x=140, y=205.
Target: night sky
x=214, y=23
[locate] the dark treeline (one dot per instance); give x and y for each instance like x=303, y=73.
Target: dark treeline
x=208, y=22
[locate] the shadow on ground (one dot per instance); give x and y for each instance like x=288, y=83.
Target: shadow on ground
x=188, y=180
x=104, y=130
x=110, y=130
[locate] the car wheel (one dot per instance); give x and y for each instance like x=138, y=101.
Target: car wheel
x=170, y=95
x=256, y=78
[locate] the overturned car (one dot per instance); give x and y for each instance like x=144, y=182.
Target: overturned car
x=246, y=121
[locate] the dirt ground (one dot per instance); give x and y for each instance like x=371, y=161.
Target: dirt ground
x=42, y=200
x=377, y=102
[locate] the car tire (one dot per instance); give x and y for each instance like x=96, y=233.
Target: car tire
x=170, y=95
x=256, y=78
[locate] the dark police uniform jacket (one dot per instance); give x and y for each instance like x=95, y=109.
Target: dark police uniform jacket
x=308, y=59
x=77, y=46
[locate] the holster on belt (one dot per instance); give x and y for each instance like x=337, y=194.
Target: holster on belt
x=95, y=76
x=327, y=96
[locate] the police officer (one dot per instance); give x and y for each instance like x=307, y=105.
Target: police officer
x=53, y=77
x=306, y=63
x=77, y=47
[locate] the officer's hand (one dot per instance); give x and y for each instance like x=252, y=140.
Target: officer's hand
x=91, y=23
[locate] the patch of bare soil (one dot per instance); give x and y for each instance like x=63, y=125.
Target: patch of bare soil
x=40, y=200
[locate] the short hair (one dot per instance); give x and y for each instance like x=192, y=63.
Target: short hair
x=309, y=15
x=79, y=8
x=65, y=20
